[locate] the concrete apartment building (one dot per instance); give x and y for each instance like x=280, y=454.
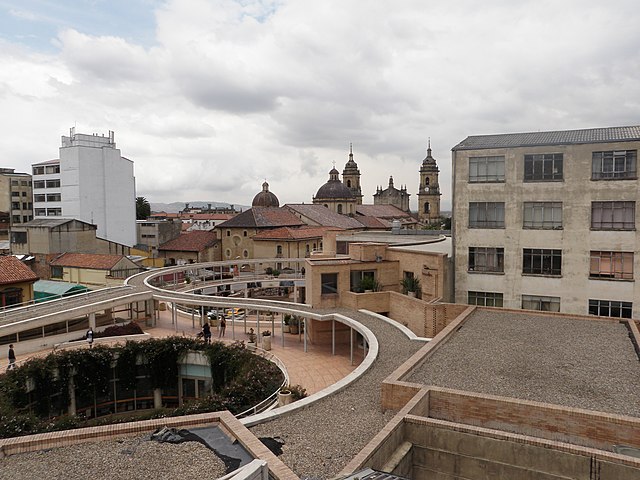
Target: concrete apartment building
x=16, y=204
x=547, y=221
x=91, y=182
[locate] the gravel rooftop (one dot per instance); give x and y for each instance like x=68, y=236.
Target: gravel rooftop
x=321, y=439
x=571, y=362
x=121, y=459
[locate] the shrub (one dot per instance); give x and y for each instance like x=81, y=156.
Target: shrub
x=131, y=328
x=239, y=381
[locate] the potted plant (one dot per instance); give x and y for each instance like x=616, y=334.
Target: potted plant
x=268, y=271
x=368, y=284
x=410, y=285
x=284, y=396
x=276, y=273
x=294, y=324
x=266, y=340
x=251, y=343
x=286, y=319
x=290, y=393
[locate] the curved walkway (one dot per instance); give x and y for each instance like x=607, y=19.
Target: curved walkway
x=322, y=438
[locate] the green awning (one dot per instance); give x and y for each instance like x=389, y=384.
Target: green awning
x=49, y=289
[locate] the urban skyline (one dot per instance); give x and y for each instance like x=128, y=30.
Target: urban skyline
x=225, y=94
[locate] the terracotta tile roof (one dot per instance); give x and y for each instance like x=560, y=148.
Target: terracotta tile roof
x=322, y=216
x=95, y=261
x=13, y=270
x=263, y=217
x=381, y=211
x=195, y=241
x=374, y=223
x=287, y=233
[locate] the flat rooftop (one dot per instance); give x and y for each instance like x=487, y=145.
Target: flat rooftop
x=578, y=363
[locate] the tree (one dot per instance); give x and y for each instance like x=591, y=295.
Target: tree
x=143, y=208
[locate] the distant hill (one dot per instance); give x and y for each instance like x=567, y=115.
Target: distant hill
x=175, y=207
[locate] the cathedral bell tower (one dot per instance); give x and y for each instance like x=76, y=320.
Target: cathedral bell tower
x=429, y=190
x=351, y=177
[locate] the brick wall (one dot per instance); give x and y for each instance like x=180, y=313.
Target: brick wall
x=571, y=425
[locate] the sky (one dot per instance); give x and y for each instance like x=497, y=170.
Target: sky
x=210, y=98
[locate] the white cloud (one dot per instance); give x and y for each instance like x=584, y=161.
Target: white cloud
x=234, y=92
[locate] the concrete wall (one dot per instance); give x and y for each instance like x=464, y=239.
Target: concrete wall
x=576, y=239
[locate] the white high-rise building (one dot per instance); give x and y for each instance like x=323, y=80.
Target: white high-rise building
x=91, y=182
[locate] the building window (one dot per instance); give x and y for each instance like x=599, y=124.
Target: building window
x=543, y=303
x=486, y=259
x=486, y=169
x=54, y=212
x=24, y=205
x=427, y=208
x=613, y=215
x=25, y=218
x=53, y=197
x=543, y=167
x=541, y=261
x=228, y=233
x=611, y=265
x=15, y=194
x=52, y=169
x=340, y=208
x=279, y=250
x=543, y=215
x=15, y=183
x=227, y=253
x=39, y=184
x=10, y=296
x=38, y=170
x=484, y=299
x=357, y=276
x=244, y=233
x=56, y=271
x=610, y=308
x=486, y=214
x=52, y=183
x=15, y=205
x=18, y=237
x=16, y=218
x=245, y=253
x=41, y=212
x=613, y=164
x=39, y=198
x=329, y=283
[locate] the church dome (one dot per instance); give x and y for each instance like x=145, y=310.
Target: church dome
x=265, y=198
x=334, y=188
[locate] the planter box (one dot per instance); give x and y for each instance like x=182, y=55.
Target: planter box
x=293, y=329
x=284, y=398
x=251, y=346
x=266, y=342
x=286, y=328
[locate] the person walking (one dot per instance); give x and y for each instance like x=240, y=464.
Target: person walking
x=206, y=332
x=223, y=325
x=12, y=358
x=89, y=337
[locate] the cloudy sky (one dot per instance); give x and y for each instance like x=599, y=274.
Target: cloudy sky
x=211, y=97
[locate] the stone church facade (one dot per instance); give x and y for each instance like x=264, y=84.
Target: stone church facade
x=343, y=196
